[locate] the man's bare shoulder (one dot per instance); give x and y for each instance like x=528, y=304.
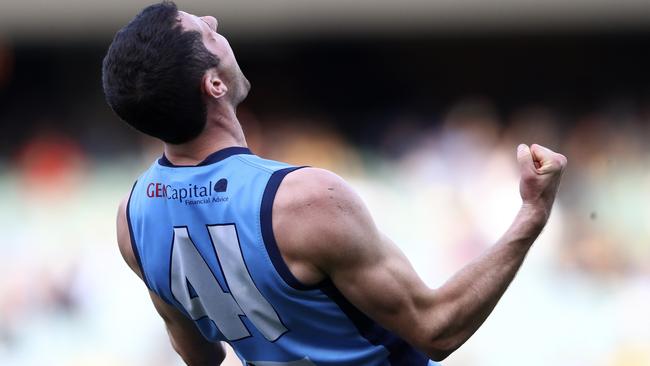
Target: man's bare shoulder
x=317, y=217
x=318, y=200
x=307, y=189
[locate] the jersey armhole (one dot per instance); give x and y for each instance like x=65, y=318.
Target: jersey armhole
x=266, y=224
x=134, y=246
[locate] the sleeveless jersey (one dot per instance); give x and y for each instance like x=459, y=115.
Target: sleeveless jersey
x=203, y=239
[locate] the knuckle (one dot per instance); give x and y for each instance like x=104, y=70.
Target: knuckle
x=559, y=158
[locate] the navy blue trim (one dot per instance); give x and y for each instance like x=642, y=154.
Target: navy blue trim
x=133, y=244
x=211, y=159
x=266, y=223
x=400, y=352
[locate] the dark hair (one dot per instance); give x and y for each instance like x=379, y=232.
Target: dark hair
x=152, y=75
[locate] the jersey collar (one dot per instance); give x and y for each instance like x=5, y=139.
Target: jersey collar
x=211, y=159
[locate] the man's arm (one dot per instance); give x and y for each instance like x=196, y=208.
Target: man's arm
x=324, y=230
x=186, y=339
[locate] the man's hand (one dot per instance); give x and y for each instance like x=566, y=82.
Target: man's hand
x=541, y=171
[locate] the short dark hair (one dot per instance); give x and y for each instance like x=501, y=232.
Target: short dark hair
x=152, y=74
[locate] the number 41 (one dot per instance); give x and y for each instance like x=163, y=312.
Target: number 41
x=190, y=270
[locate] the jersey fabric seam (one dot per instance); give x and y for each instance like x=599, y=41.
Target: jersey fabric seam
x=255, y=165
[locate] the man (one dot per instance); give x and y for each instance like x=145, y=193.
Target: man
x=283, y=263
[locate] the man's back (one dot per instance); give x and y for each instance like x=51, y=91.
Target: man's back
x=203, y=237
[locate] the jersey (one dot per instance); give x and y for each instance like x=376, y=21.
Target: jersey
x=203, y=238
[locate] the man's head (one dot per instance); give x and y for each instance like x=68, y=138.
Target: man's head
x=167, y=70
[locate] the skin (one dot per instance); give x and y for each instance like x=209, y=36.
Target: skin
x=364, y=264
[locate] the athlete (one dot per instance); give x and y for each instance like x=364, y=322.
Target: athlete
x=283, y=263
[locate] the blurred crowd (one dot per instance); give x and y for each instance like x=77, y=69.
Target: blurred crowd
x=443, y=189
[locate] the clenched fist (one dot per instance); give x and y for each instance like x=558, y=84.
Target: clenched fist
x=541, y=171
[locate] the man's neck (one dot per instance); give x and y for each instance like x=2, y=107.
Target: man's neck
x=216, y=136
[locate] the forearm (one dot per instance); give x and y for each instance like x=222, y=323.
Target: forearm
x=195, y=352
x=207, y=355
x=466, y=300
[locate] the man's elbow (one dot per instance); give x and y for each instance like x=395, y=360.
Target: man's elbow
x=443, y=336
x=193, y=360
x=439, y=356
x=441, y=350
x=197, y=357
x=204, y=363
x=443, y=342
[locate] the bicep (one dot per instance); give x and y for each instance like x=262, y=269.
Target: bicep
x=338, y=236
x=379, y=280
x=322, y=224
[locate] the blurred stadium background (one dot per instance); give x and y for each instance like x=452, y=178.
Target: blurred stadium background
x=419, y=104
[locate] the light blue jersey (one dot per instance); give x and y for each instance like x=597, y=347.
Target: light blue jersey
x=204, y=241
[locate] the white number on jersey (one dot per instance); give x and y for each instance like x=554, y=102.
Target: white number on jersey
x=223, y=308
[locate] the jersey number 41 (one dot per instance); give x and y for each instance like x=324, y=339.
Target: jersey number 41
x=190, y=271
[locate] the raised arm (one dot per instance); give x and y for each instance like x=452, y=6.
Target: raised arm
x=324, y=230
x=185, y=337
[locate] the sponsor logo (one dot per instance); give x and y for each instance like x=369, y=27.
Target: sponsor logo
x=221, y=185
x=192, y=194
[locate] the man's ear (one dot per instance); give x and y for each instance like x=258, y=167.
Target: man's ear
x=212, y=86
